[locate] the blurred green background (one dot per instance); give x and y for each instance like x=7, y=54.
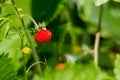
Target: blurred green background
x=73, y=24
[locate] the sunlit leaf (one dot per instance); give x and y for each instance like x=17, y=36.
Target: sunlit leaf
x=117, y=0
x=3, y=30
x=100, y=2
x=104, y=76
x=11, y=45
x=117, y=67
x=75, y=72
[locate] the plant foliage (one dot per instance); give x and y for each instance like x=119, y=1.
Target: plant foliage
x=6, y=69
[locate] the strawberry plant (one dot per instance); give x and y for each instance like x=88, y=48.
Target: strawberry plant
x=59, y=39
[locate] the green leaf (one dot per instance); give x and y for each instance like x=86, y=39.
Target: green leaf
x=100, y=2
x=11, y=45
x=6, y=69
x=3, y=21
x=104, y=76
x=116, y=0
x=26, y=8
x=117, y=67
x=3, y=30
x=9, y=13
x=73, y=72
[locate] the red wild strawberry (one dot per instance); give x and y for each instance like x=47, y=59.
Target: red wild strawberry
x=43, y=36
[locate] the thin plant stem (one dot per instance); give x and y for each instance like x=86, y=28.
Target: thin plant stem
x=36, y=25
x=24, y=62
x=100, y=18
x=25, y=75
x=35, y=56
x=96, y=47
x=97, y=37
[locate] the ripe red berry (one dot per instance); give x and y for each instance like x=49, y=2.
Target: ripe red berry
x=43, y=36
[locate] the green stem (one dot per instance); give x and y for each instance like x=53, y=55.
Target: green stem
x=97, y=37
x=25, y=75
x=35, y=56
x=36, y=25
x=100, y=18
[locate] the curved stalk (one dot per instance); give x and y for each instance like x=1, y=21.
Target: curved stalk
x=34, y=65
x=36, y=25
